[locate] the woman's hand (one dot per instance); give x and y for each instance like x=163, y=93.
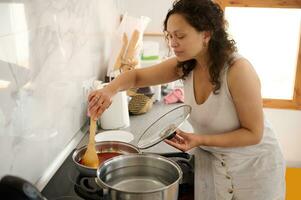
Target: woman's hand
x=184, y=141
x=99, y=101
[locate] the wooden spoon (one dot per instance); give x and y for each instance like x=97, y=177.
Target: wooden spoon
x=90, y=158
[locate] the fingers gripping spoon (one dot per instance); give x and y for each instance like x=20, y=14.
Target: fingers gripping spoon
x=90, y=157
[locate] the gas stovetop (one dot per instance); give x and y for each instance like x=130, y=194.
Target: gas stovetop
x=69, y=184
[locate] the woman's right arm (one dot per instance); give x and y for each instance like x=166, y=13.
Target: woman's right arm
x=164, y=72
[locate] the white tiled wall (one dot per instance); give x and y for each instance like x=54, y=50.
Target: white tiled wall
x=47, y=49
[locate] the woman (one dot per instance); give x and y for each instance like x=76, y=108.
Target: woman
x=238, y=156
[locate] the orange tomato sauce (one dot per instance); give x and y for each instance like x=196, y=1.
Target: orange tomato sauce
x=103, y=156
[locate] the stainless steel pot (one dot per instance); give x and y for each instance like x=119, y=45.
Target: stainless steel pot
x=140, y=176
x=101, y=147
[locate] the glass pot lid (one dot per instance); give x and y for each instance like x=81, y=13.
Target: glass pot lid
x=164, y=127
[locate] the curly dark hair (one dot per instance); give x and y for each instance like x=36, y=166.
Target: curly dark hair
x=205, y=15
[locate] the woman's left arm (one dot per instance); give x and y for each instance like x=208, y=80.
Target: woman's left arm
x=244, y=86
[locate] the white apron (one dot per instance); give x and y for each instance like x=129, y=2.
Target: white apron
x=254, y=172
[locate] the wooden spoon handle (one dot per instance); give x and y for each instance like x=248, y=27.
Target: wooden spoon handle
x=92, y=131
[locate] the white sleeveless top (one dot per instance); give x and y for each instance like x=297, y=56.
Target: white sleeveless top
x=218, y=115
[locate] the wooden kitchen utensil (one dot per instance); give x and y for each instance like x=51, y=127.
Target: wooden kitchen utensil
x=90, y=158
x=132, y=45
x=122, y=52
x=129, y=61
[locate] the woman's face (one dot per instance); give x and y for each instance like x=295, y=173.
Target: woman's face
x=186, y=42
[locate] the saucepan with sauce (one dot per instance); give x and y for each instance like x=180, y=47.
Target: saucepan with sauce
x=105, y=150
x=163, y=128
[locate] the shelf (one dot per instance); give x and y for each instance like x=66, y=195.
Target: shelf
x=154, y=34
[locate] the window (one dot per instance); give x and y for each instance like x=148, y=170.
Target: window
x=268, y=34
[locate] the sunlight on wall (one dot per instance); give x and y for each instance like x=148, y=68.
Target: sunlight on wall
x=14, y=34
x=4, y=84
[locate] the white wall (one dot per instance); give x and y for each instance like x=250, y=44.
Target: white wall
x=155, y=9
x=47, y=50
x=287, y=126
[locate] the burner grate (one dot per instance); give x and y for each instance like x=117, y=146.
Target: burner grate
x=87, y=188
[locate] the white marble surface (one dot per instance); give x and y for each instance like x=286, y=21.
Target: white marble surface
x=47, y=50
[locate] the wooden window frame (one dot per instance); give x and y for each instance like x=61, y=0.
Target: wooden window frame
x=294, y=103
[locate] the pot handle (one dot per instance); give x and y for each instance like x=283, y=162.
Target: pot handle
x=19, y=188
x=102, y=186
